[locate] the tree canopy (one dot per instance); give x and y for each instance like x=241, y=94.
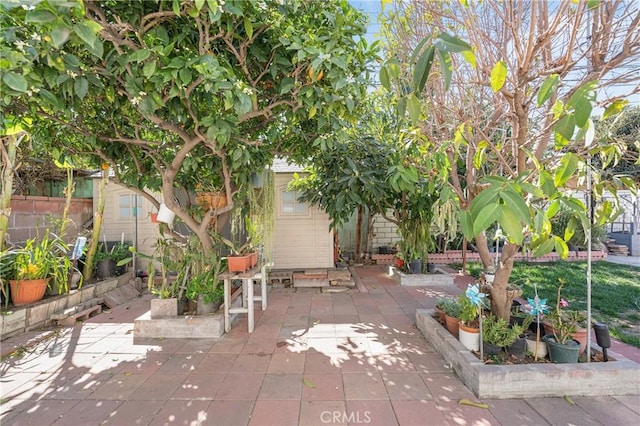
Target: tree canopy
x=176, y=95
x=511, y=124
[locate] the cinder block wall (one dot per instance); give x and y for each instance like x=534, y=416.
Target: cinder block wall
x=30, y=216
x=385, y=233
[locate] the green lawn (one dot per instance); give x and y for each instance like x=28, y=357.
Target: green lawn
x=615, y=291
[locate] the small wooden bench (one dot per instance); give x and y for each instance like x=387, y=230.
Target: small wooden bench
x=80, y=312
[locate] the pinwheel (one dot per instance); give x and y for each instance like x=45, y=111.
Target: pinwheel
x=538, y=307
x=474, y=295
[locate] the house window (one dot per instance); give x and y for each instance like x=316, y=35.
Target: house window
x=127, y=206
x=291, y=206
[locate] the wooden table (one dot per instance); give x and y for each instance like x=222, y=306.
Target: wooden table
x=248, y=298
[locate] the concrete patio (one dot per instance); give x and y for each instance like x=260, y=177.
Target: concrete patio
x=313, y=359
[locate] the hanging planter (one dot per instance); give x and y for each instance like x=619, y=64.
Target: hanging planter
x=211, y=200
x=154, y=218
x=257, y=179
x=165, y=215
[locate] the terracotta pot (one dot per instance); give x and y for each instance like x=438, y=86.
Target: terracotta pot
x=24, y=292
x=211, y=200
x=581, y=336
x=154, y=218
x=239, y=263
x=452, y=324
x=440, y=315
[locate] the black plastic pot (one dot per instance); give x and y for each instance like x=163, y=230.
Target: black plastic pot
x=490, y=349
x=431, y=267
x=105, y=268
x=518, y=348
x=415, y=266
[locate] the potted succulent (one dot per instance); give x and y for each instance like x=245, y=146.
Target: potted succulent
x=562, y=347
x=40, y=263
x=440, y=303
x=497, y=334
x=451, y=308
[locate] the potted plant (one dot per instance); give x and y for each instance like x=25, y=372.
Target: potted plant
x=41, y=263
x=105, y=265
x=519, y=346
x=242, y=258
x=561, y=345
x=451, y=308
x=578, y=318
x=440, y=303
x=118, y=253
x=497, y=334
x=204, y=287
x=469, y=328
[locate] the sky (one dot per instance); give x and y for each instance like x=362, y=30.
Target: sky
x=372, y=8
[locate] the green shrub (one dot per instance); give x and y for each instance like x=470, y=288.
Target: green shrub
x=559, y=224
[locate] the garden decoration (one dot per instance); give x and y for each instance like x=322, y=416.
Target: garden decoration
x=538, y=306
x=475, y=297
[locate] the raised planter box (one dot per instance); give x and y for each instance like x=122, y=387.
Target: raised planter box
x=39, y=314
x=619, y=377
x=416, y=280
x=181, y=327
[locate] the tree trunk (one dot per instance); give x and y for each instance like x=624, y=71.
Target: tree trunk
x=87, y=271
x=359, y=233
x=9, y=149
x=501, y=293
x=68, y=193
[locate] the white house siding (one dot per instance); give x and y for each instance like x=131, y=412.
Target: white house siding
x=302, y=241
x=115, y=228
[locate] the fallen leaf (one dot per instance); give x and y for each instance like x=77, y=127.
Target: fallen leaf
x=308, y=383
x=569, y=400
x=281, y=344
x=465, y=401
x=128, y=373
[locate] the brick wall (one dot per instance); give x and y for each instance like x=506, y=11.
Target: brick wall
x=30, y=216
x=385, y=233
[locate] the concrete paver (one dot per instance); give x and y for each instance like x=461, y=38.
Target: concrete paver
x=313, y=359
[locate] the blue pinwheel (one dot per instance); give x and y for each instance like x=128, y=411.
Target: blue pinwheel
x=538, y=306
x=474, y=295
